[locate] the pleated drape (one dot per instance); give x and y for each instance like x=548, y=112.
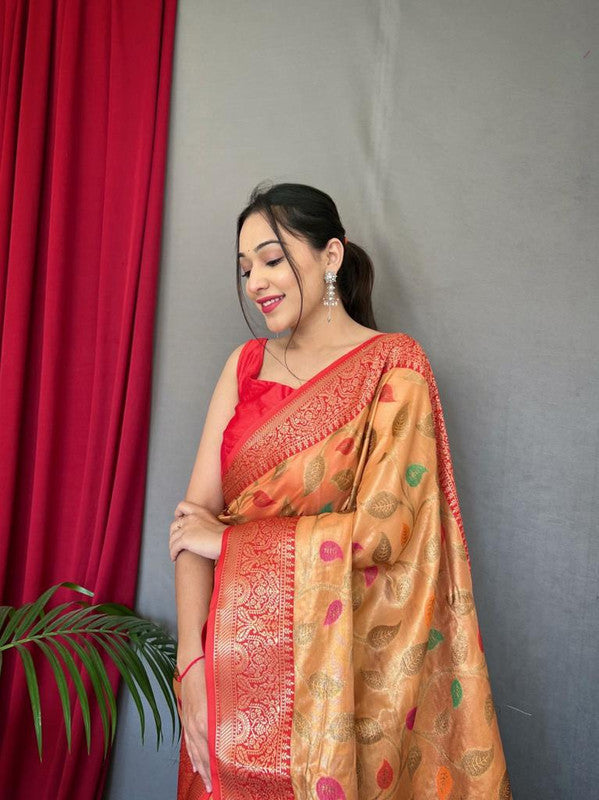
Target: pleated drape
x=84, y=100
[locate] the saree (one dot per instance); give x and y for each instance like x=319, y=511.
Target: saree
x=344, y=659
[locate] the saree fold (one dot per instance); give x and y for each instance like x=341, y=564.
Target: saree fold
x=344, y=657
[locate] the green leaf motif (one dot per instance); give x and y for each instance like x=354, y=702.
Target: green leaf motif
x=434, y=638
x=414, y=473
x=326, y=508
x=456, y=693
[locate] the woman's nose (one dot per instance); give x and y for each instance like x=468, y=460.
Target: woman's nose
x=257, y=279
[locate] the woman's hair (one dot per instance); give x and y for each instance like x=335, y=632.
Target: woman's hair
x=312, y=215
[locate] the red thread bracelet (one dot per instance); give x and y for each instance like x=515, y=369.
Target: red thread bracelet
x=180, y=675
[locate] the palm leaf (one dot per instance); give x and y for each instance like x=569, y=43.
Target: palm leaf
x=77, y=639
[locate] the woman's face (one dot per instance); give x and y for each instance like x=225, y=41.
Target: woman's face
x=270, y=282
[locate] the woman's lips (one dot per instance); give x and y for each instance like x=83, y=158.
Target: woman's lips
x=269, y=303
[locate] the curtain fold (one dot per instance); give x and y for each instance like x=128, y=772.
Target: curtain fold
x=84, y=101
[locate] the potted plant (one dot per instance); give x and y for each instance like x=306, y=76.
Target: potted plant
x=76, y=638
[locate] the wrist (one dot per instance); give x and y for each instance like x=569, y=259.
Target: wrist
x=180, y=674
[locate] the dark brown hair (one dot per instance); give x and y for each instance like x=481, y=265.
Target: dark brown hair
x=312, y=215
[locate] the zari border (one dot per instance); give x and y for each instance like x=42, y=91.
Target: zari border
x=251, y=666
x=333, y=400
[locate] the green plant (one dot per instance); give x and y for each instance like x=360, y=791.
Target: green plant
x=74, y=636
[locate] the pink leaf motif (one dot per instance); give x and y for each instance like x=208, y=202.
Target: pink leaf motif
x=329, y=789
x=333, y=612
x=370, y=574
x=356, y=546
x=386, y=395
x=384, y=777
x=410, y=717
x=330, y=550
x=261, y=499
x=346, y=446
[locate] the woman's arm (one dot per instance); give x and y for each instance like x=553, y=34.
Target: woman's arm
x=193, y=573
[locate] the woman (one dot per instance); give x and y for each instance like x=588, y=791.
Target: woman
x=342, y=653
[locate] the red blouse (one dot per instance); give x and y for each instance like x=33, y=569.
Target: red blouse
x=256, y=397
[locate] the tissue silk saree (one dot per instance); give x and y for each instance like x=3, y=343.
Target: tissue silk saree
x=344, y=658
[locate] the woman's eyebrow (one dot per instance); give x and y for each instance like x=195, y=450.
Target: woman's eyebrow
x=260, y=246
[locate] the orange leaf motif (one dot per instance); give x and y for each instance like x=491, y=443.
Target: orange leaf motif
x=429, y=609
x=444, y=783
x=405, y=534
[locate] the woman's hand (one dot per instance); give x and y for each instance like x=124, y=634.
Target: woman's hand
x=195, y=529
x=194, y=713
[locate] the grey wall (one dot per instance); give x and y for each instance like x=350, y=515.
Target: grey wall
x=459, y=140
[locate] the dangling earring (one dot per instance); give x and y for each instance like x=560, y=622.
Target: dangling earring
x=330, y=295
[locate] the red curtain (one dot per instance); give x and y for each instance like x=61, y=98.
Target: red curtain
x=84, y=97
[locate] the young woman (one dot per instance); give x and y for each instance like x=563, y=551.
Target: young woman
x=334, y=650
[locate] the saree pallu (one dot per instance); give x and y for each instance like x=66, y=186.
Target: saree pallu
x=343, y=658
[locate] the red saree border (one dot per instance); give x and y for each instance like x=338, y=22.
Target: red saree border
x=251, y=430
x=250, y=669
x=332, y=399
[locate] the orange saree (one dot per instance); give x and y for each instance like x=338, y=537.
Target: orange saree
x=343, y=654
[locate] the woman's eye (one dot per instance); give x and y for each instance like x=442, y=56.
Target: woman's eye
x=246, y=274
x=274, y=262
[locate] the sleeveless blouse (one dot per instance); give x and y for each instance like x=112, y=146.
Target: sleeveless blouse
x=256, y=397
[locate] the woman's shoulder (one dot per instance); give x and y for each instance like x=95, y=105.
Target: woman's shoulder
x=403, y=350
x=245, y=356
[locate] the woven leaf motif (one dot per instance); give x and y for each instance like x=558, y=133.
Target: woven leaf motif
x=459, y=649
x=456, y=693
x=329, y=789
x=330, y=550
x=458, y=549
x=372, y=441
x=287, y=510
x=368, y=731
x=414, y=759
x=370, y=574
x=384, y=776
x=301, y=725
x=429, y=610
x=489, y=709
x=373, y=678
x=414, y=474
x=411, y=718
x=403, y=590
x=432, y=549
x=406, y=534
x=382, y=505
x=343, y=479
x=505, y=790
x=333, y=612
x=442, y=723
x=261, y=499
x=476, y=762
x=462, y=602
x=399, y=428
x=304, y=633
x=346, y=446
x=313, y=474
x=434, y=637
x=413, y=658
x=382, y=635
x=322, y=685
x=382, y=552
x=444, y=783
x=280, y=469
x=426, y=426
x=341, y=728
x=357, y=595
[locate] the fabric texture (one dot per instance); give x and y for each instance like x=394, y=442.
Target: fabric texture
x=84, y=105
x=344, y=657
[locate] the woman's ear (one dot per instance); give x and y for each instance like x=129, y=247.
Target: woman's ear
x=333, y=254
